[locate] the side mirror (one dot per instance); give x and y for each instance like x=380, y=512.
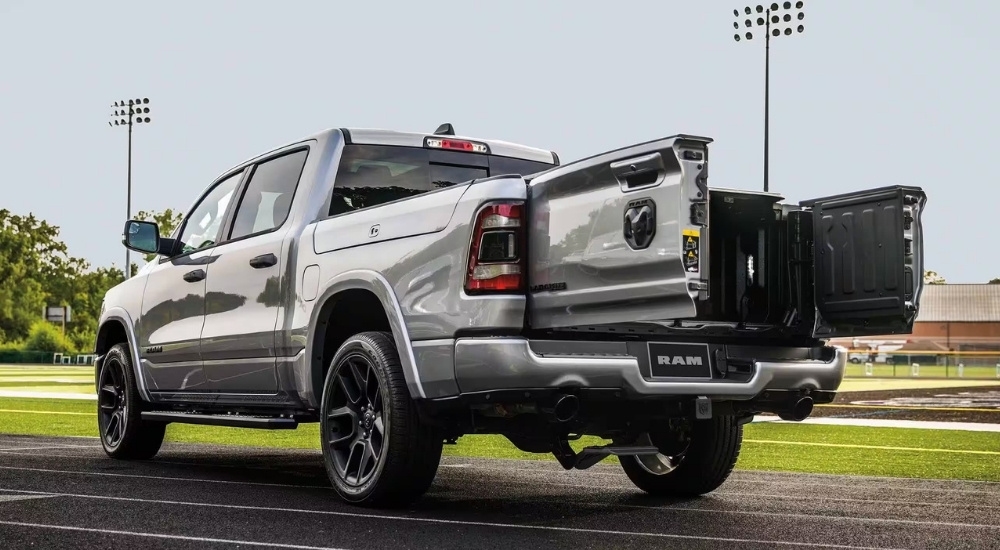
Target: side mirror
x=142, y=236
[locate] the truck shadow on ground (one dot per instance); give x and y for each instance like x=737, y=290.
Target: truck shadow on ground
x=503, y=492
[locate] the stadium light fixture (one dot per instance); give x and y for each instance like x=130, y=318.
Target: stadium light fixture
x=128, y=112
x=776, y=19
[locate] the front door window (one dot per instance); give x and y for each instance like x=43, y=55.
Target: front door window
x=202, y=226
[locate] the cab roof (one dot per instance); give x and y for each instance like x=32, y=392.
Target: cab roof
x=372, y=136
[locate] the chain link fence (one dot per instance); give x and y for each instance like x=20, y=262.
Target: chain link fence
x=973, y=365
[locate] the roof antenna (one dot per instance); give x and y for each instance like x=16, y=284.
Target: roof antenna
x=445, y=129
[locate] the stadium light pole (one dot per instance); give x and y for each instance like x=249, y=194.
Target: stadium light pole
x=777, y=19
x=127, y=113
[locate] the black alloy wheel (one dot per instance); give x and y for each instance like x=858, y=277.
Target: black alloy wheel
x=124, y=434
x=112, y=399
x=377, y=449
x=357, y=423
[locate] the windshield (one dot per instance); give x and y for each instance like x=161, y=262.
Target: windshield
x=374, y=174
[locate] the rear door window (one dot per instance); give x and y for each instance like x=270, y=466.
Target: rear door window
x=268, y=196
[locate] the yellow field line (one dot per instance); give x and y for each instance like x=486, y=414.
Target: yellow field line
x=46, y=412
x=906, y=408
x=879, y=448
x=925, y=352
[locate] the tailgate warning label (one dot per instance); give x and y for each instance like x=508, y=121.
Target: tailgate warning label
x=690, y=248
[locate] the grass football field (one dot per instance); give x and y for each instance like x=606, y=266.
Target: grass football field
x=893, y=452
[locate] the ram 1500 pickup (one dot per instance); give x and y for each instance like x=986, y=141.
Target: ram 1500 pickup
x=406, y=289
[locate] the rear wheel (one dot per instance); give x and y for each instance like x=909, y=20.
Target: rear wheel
x=698, y=468
x=376, y=449
x=124, y=434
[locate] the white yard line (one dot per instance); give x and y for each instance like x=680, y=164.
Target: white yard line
x=48, y=395
x=887, y=423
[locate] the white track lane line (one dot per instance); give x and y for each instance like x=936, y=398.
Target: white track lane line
x=15, y=498
x=43, y=448
x=821, y=517
x=509, y=481
x=163, y=536
x=463, y=523
x=266, y=468
x=546, y=498
x=537, y=482
x=783, y=482
x=164, y=478
x=740, y=475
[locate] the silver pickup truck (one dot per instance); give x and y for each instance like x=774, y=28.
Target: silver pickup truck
x=408, y=289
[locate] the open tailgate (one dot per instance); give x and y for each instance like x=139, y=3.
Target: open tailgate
x=618, y=237
x=868, y=261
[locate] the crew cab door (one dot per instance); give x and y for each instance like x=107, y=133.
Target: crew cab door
x=173, y=302
x=244, y=294
x=867, y=261
x=617, y=237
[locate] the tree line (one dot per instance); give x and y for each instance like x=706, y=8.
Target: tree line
x=37, y=270
x=932, y=278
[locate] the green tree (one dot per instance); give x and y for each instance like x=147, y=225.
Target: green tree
x=932, y=278
x=86, y=294
x=45, y=336
x=994, y=281
x=34, y=261
x=37, y=271
x=167, y=220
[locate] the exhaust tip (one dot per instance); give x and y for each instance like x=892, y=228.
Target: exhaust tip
x=799, y=411
x=566, y=408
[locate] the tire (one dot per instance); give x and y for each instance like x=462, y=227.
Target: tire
x=376, y=449
x=124, y=434
x=703, y=467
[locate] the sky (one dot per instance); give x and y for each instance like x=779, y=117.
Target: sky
x=871, y=94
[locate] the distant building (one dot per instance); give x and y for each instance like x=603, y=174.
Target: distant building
x=960, y=318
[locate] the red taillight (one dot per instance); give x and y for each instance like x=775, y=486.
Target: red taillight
x=497, y=255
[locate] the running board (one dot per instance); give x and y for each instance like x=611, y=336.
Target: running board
x=229, y=420
x=588, y=456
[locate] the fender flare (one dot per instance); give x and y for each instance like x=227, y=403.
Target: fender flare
x=375, y=283
x=119, y=314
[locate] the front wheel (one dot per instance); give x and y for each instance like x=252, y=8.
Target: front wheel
x=701, y=467
x=376, y=449
x=124, y=434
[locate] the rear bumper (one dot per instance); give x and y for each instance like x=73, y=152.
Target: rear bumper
x=500, y=364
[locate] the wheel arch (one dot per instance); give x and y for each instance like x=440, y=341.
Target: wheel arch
x=115, y=324
x=372, y=305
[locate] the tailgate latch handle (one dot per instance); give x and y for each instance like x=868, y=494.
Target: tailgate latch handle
x=639, y=172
